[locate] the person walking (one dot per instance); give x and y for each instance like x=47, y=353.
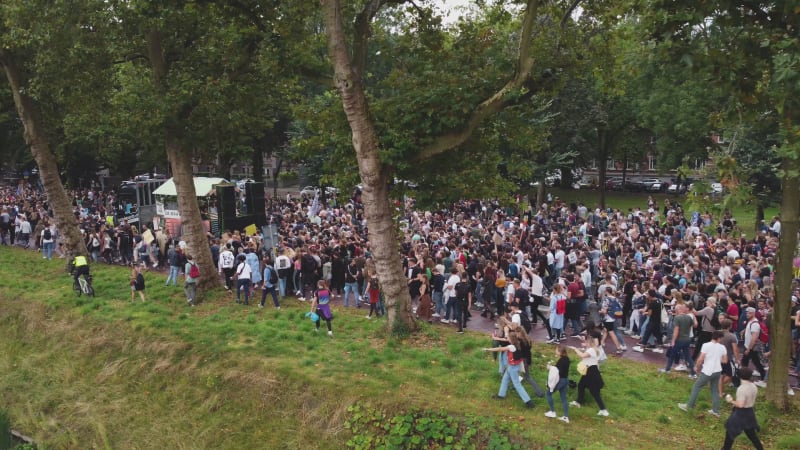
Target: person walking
x=270, y=287
x=226, y=263
x=137, y=282
x=709, y=364
x=373, y=290
x=558, y=380
x=558, y=306
x=513, y=354
x=752, y=345
x=174, y=261
x=590, y=374
x=321, y=305
x=243, y=273
x=743, y=417
x=683, y=323
x=192, y=272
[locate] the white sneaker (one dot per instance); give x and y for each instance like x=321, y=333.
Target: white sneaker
x=302, y=299
x=454, y=321
x=551, y=414
x=636, y=336
x=761, y=383
x=713, y=413
x=790, y=392
x=756, y=373
x=330, y=333
x=575, y=404
x=603, y=413
x=638, y=348
x=435, y=315
x=564, y=419
x=444, y=321
x=658, y=350
x=369, y=317
x=683, y=406
x=681, y=368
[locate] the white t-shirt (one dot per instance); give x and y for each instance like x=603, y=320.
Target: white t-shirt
x=714, y=352
x=244, y=271
x=592, y=358
x=450, y=287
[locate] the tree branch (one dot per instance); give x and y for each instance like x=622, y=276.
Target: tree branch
x=568, y=12
x=130, y=58
x=363, y=30
x=499, y=100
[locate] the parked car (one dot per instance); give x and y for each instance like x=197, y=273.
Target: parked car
x=614, y=183
x=655, y=185
x=310, y=191
x=587, y=182
x=635, y=185
x=714, y=188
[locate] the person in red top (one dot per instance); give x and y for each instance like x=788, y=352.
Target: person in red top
x=732, y=312
x=575, y=295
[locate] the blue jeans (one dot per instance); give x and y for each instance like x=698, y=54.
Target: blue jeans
x=512, y=374
x=452, y=305
x=702, y=380
x=674, y=354
x=243, y=285
x=282, y=286
x=47, y=249
x=561, y=387
x=348, y=288
x=270, y=291
x=437, y=300
x=173, y=276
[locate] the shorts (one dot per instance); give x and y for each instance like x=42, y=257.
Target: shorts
x=609, y=326
x=727, y=369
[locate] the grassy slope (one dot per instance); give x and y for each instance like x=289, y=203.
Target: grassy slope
x=108, y=373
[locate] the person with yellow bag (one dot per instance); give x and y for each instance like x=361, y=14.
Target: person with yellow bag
x=590, y=374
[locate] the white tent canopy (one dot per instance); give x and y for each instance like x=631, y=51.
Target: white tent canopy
x=203, y=186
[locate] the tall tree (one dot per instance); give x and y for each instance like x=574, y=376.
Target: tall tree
x=752, y=50
x=54, y=62
x=451, y=123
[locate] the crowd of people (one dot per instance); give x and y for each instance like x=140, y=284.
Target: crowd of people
x=672, y=279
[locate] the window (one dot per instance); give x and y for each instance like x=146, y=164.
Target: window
x=651, y=163
x=593, y=164
x=610, y=164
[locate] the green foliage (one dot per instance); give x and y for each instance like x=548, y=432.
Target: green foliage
x=372, y=427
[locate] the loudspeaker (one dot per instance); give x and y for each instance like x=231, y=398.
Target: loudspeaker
x=254, y=197
x=226, y=202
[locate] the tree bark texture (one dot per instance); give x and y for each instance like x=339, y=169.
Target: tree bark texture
x=780, y=330
x=180, y=160
x=375, y=194
x=39, y=143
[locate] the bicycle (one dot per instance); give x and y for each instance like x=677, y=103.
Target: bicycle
x=83, y=285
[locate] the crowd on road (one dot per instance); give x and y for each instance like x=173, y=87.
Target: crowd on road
x=670, y=278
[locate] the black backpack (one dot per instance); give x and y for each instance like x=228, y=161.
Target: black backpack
x=47, y=234
x=273, y=275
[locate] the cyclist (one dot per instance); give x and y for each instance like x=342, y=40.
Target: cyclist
x=80, y=267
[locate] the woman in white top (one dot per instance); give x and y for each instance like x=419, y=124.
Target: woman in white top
x=243, y=276
x=743, y=417
x=592, y=378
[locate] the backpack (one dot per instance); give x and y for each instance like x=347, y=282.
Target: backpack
x=561, y=305
x=47, y=234
x=513, y=271
x=273, y=276
x=763, y=336
x=715, y=319
x=614, y=308
x=194, y=271
x=525, y=322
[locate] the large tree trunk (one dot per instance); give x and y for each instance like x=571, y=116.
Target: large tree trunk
x=36, y=138
x=191, y=222
x=781, y=316
x=180, y=160
x=374, y=175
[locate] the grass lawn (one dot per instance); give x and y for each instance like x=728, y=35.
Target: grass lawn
x=744, y=215
x=107, y=373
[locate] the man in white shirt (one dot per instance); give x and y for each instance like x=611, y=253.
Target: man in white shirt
x=712, y=356
x=450, y=296
x=225, y=264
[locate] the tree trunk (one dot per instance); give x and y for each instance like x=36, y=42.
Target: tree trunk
x=759, y=216
x=780, y=331
x=602, y=156
x=180, y=161
x=36, y=138
x=191, y=222
x=275, y=174
x=258, y=162
x=374, y=176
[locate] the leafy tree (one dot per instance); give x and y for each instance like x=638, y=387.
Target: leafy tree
x=751, y=50
x=54, y=63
